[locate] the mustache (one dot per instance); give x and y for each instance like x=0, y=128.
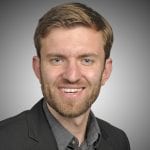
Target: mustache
x=78, y=83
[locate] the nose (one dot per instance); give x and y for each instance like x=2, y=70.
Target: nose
x=72, y=72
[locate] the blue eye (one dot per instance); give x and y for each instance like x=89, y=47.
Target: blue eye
x=87, y=61
x=56, y=60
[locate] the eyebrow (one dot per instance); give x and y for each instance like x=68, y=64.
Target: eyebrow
x=54, y=55
x=89, y=55
x=80, y=56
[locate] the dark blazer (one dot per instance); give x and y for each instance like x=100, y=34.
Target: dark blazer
x=30, y=131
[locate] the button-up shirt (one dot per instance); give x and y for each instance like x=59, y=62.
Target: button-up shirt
x=66, y=141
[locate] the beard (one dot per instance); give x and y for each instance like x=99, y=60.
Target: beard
x=70, y=107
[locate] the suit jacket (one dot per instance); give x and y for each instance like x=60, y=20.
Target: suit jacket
x=30, y=131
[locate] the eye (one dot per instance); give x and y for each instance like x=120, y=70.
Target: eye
x=56, y=60
x=87, y=61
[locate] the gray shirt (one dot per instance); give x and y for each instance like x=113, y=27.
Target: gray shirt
x=66, y=141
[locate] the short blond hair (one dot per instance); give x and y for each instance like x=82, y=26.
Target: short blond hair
x=70, y=15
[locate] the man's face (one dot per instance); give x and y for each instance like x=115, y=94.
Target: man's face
x=72, y=69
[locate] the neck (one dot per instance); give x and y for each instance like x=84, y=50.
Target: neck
x=76, y=126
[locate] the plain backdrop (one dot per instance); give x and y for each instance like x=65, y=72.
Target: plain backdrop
x=124, y=100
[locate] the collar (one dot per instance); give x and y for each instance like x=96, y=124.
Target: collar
x=64, y=137
x=93, y=130
x=42, y=137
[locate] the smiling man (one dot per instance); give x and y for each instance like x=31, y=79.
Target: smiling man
x=71, y=69
x=73, y=44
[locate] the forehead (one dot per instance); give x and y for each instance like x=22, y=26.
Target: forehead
x=73, y=40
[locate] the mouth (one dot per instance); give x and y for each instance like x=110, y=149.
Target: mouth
x=72, y=90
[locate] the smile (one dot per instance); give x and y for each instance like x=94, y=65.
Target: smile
x=72, y=90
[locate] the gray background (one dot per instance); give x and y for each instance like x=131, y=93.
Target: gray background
x=124, y=100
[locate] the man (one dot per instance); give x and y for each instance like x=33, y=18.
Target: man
x=73, y=44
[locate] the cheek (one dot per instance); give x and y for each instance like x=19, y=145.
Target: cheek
x=94, y=76
x=50, y=75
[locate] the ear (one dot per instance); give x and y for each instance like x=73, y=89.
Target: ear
x=107, y=71
x=36, y=67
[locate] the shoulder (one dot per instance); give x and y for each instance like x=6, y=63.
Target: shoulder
x=108, y=128
x=13, y=122
x=16, y=132
x=13, y=131
x=20, y=121
x=114, y=135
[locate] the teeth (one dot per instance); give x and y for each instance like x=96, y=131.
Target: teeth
x=67, y=90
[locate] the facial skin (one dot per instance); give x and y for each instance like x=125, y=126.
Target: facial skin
x=72, y=69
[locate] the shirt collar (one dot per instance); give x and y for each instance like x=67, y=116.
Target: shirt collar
x=93, y=130
x=64, y=137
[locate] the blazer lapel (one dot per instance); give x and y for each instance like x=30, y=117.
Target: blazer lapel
x=40, y=134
